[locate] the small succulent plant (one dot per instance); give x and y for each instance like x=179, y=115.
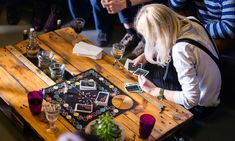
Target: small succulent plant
x=105, y=128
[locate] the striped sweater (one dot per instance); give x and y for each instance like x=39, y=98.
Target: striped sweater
x=218, y=16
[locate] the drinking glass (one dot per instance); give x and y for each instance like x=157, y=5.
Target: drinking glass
x=78, y=25
x=44, y=59
x=117, y=52
x=147, y=122
x=57, y=71
x=52, y=111
x=35, y=101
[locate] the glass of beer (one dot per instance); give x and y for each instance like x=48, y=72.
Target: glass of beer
x=117, y=52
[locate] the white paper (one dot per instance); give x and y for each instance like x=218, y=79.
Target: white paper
x=87, y=50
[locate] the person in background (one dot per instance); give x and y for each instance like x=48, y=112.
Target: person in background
x=131, y=39
x=80, y=9
x=13, y=12
x=46, y=14
x=218, y=16
x=103, y=26
x=175, y=53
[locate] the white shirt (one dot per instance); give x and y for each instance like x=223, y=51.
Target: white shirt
x=198, y=74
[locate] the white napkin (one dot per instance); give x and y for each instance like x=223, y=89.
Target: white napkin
x=87, y=50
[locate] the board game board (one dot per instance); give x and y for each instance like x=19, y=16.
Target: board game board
x=68, y=93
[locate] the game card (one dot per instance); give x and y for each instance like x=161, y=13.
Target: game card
x=87, y=85
x=141, y=71
x=127, y=63
x=133, y=87
x=84, y=108
x=102, y=99
x=133, y=68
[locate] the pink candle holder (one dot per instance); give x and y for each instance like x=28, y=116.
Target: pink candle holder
x=35, y=99
x=147, y=122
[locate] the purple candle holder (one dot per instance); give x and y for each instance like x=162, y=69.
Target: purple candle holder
x=147, y=122
x=35, y=99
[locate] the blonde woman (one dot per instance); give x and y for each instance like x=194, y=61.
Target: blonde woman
x=181, y=57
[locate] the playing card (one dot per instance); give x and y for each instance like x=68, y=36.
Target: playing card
x=85, y=108
x=133, y=87
x=102, y=99
x=87, y=85
x=127, y=63
x=141, y=71
x=133, y=68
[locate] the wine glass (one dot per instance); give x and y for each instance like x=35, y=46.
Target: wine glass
x=117, y=52
x=52, y=111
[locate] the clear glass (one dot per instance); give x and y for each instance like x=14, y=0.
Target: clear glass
x=52, y=112
x=57, y=71
x=44, y=59
x=117, y=52
x=78, y=25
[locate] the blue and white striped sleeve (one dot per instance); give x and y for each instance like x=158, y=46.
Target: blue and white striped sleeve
x=177, y=4
x=225, y=28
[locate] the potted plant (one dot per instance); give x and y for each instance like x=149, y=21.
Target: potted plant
x=106, y=129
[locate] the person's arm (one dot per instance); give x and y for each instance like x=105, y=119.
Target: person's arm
x=184, y=62
x=115, y=6
x=225, y=28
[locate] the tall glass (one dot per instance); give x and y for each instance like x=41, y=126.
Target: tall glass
x=147, y=122
x=52, y=111
x=57, y=71
x=44, y=59
x=117, y=52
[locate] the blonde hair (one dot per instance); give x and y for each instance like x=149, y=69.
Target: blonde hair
x=160, y=26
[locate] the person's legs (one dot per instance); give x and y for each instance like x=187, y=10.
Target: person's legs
x=80, y=9
x=13, y=14
x=102, y=22
x=41, y=10
x=126, y=16
x=138, y=44
x=55, y=14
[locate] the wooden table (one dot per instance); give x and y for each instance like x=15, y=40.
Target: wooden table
x=18, y=76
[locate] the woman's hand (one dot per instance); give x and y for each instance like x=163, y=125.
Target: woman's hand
x=147, y=86
x=140, y=60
